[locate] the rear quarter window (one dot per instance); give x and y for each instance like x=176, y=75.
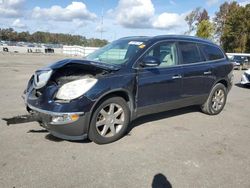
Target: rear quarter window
x=211, y=52
x=189, y=52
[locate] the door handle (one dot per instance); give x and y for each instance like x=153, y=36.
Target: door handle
x=176, y=77
x=207, y=72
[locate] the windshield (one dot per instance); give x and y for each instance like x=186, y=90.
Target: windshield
x=117, y=52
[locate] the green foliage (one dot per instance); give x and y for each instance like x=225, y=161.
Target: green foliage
x=191, y=19
x=52, y=38
x=194, y=18
x=230, y=26
x=236, y=31
x=202, y=16
x=205, y=29
x=220, y=20
x=247, y=13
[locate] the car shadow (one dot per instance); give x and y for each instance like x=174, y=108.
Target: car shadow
x=137, y=122
x=50, y=137
x=38, y=131
x=161, y=115
x=160, y=181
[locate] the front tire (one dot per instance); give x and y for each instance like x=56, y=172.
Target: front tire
x=109, y=121
x=216, y=100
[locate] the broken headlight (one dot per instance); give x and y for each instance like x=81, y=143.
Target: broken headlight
x=75, y=89
x=41, y=77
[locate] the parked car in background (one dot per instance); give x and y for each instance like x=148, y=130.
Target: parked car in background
x=240, y=62
x=245, y=78
x=235, y=64
x=99, y=96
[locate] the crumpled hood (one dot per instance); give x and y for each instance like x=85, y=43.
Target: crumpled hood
x=70, y=68
x=89, y=64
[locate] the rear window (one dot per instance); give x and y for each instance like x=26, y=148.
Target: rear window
x=189, y=52
x=211, y=52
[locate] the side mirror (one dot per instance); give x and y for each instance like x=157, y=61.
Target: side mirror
x=150, y=61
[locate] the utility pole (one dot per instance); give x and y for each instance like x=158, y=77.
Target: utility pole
x=102, y=19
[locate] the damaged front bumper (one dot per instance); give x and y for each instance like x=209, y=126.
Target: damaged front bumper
x=66, y=115
x=65, y=125
x=65, y=120
x=68, y=120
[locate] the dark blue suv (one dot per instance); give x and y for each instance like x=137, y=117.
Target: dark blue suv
x=97, y=97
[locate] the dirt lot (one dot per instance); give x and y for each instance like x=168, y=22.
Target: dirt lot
x=180, y=148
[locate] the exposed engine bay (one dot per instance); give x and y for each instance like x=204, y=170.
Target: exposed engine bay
x=73, y=72
x=57, y=76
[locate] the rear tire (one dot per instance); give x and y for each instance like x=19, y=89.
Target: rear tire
x=109, y=121
x=216, y=100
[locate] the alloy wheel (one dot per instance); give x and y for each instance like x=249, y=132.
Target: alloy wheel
x=110, y=120
x=218, y=99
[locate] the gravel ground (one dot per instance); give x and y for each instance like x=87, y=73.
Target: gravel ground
x=180, y=148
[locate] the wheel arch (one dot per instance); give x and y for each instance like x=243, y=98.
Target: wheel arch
x=222, y=81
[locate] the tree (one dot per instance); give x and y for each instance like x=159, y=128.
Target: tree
x=205, y=29
x=7, y=34
x=194, y=18
x=231, y=26
x=220, y=19
x=235, y=33
x=191, y=19
x=247, y=13
x=202, y=16
x=52, y=38
x=23, y=36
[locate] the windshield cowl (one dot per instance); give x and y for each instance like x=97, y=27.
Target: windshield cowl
x=109, y=66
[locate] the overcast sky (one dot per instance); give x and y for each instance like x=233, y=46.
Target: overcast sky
x=121, y=17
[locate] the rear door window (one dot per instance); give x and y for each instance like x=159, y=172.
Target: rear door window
x=211, y=52
x=190, y=52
